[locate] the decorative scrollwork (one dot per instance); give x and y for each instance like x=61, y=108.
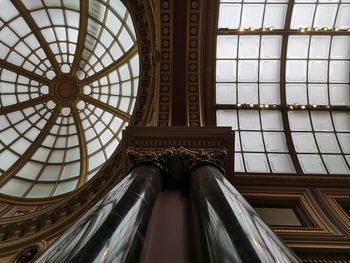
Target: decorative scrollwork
x=189, y=156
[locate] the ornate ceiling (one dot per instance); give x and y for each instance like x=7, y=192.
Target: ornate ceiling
x=69, y=78
x=282, y=82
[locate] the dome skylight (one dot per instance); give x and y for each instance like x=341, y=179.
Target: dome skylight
x=69, y=79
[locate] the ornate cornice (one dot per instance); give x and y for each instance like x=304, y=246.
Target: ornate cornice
x=188, y=156
x=189, y=144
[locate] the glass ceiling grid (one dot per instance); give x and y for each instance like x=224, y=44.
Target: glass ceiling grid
x=70, y=116
x=245, y=89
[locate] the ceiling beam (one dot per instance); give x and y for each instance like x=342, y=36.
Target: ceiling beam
x=120, y=61
x=21, y=71
x=283, y=32
x=23, y=105
x=117, y=112
x=84, y=160
x=284, y=109
x=36, y=31
x=25, y=157
x=84, y=11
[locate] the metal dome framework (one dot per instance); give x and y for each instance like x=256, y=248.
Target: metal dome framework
x=69, y=79
x=282, y=82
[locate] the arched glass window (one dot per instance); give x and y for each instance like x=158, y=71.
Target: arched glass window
x=69, y=78
x=282, y=83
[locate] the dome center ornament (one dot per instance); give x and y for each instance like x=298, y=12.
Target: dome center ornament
x=65, y=89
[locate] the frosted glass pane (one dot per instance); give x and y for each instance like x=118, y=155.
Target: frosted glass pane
x=275, y=142
x=226, y=93
x=11, y=11
x=344, y=140
x=269, y=71
x=271, y=46
x=229, y=15
x=318, y=71
x=71, y=170
x=318, y=94
x=336, y=164
x=339, y=71
x=65, y=187
x=56, y=16
x=299, y=121
x=341, y=121
x=15, y=187
x=302, y=15
x=30, y=170
x=281, y=163
x=275, y=16
x=226, y=47
x=296, y=71
x=304, y=142
x=247, y=71
x=50, y=173
x=311, y=164
x=270, y=94
x=226, y=118
x=226, y=70
x=252, y=21
x=248, y=93
x=325, y=15
x=327, y=143
x=271, y=120
x=296, y=94
x=7, y=158
x=249, y=46
x=40, y=190
x=256, y=162
x=96, y=160
x=340, y=94
x=319, y=47
x=239, y=166
x=340, y=47
x=321, y=121
x=343, y=18
x=298, y=46
x=249, y=120
x=252, y=141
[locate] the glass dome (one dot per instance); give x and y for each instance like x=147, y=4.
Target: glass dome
x=282, y=82
x=69, y=78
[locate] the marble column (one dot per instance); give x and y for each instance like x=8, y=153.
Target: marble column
x=113, y=230
x=229, y=228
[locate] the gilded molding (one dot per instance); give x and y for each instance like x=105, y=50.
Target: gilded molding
x=194, y=116
x=303, y=200
x=333, y=201
x=166, y=61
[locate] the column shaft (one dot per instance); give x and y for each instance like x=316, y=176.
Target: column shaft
x=113, y=230
x=231, y=230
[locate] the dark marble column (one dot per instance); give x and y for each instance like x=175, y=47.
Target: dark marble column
x=229, y=228
x=114, y=229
